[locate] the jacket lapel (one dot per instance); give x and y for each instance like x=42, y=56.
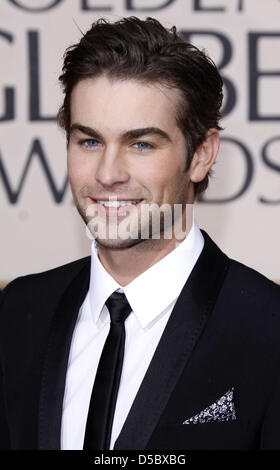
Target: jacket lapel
x=56, y=360
x=182, y=331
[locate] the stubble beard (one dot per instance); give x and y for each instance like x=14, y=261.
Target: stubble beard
x=145, y=225
x=151, y=240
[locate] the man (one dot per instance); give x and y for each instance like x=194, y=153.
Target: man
x=159, y=340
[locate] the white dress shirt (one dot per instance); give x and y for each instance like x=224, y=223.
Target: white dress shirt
x=152, y=296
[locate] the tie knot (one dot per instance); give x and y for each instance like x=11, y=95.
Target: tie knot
x=118, y=307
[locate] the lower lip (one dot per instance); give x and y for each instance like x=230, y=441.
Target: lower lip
x=117, y=211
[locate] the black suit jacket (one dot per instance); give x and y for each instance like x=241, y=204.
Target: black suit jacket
x=223, y=333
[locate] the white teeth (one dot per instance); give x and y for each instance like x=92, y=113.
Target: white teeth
x=117, y=203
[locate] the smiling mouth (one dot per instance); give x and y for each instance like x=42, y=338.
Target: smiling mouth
x=116, y=203
x=120, y=207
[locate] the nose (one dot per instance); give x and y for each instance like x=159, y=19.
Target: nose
x=111, y=169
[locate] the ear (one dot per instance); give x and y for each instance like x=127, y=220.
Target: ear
x=205, y=156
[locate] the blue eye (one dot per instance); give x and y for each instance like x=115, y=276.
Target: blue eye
x=90, y=143
x=142, y=146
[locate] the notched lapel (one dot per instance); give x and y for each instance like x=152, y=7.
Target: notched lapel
x=182, y=331
x=56, y=360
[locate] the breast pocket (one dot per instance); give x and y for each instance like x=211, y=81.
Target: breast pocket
x=224, y=435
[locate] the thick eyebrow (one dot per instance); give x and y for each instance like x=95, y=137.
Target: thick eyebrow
x=85, y=130
x=128, y=135
x=136, y=133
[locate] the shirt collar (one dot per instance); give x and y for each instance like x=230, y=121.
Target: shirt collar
x=150, y=293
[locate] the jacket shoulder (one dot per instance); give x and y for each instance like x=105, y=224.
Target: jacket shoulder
x=248, y=282
x=241, y=284
x=43, y=285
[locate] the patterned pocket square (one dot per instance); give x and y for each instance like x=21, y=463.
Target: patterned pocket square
x=222, y=410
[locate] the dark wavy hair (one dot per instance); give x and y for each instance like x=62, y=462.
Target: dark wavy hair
x=144, y=50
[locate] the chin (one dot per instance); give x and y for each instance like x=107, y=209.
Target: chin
x=118, y=243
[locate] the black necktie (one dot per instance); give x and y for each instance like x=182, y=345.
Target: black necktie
x=107, y=380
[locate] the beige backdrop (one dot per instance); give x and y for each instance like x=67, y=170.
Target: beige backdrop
x=40, y=228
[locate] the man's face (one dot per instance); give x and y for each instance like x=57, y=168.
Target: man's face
x=125, y=143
